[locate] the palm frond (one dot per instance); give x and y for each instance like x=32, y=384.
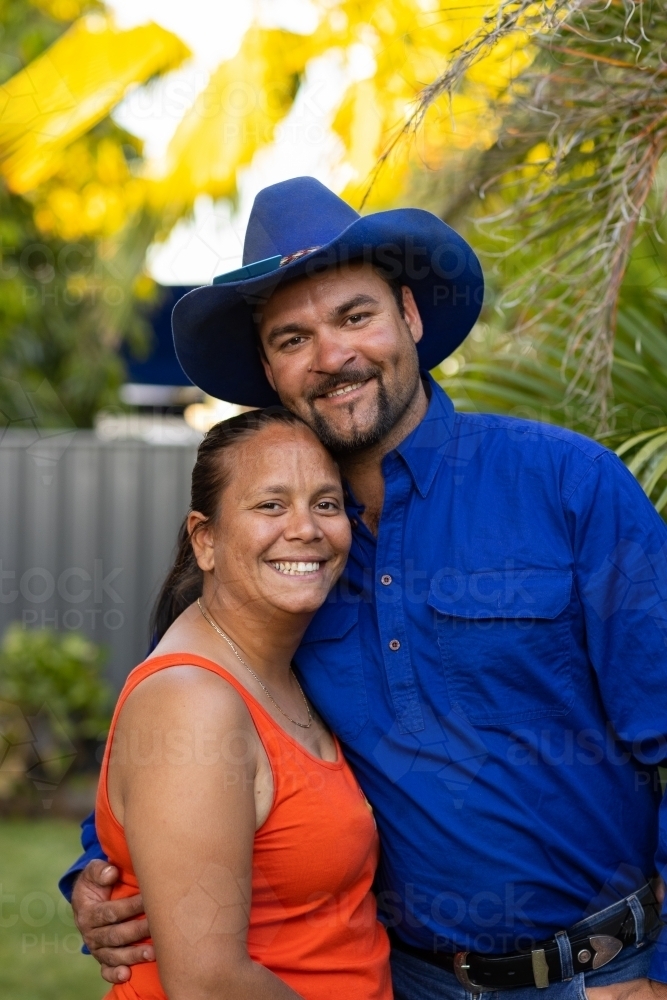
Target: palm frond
x=570, y=177
x=646, y=455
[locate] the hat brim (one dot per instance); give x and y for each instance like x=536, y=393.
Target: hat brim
x=214, y=332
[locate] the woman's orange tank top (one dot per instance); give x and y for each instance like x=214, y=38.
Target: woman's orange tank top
x=313, y=919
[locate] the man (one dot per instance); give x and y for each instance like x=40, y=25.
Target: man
x=494, y=659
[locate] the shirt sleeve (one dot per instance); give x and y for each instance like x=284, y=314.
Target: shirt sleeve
x=620, y=547
x=92, y=851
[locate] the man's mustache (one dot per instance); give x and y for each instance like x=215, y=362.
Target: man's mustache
x=328, y=383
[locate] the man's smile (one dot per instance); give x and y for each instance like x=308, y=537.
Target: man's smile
x=350, y=389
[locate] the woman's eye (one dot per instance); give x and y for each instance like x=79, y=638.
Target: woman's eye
x=270, y=505
x=328, y=505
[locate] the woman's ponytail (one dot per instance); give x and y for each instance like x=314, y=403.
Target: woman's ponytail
x=182, y=587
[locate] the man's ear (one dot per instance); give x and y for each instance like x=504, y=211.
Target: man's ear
x=267, y=370
x=412, y=317
x=201, y=539
x=257, y=317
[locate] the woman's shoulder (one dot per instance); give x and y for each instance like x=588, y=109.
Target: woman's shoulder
x=183, y=691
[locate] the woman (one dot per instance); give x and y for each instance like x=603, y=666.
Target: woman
x=222, y=795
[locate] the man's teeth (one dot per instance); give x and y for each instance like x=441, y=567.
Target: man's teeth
x=343, y=390
x=296, y=568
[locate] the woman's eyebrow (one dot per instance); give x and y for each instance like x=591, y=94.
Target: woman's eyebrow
x=329, y=488
x=266, y=490
x=281, y=488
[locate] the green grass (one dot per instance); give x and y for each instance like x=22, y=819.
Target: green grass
x=40, y=955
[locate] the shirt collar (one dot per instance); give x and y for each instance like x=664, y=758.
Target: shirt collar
x=423, y=449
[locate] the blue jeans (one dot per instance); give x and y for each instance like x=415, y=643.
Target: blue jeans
x=417, y=980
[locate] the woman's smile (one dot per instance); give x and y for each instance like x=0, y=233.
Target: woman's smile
x=300, y=568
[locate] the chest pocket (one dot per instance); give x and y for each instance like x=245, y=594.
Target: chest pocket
x=505, y=649
x=329, y=664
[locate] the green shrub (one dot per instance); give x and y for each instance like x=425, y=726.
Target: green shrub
x=54, y=706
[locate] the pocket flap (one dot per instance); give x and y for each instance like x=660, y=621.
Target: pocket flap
x=515, y=593
x=332, y=621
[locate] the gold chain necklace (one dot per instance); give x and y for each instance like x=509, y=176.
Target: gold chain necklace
x=214, y=625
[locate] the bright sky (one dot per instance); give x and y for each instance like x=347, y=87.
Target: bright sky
x=211, y=243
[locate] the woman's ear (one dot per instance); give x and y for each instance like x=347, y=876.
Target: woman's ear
x=201, y=539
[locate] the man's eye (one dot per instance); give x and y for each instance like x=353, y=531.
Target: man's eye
x=357, y=317
x=328, y=505
x=270, y=505
x=292, y=342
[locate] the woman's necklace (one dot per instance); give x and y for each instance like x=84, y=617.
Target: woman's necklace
x=214, y=625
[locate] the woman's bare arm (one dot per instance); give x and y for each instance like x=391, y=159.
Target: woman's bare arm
x=182, y=774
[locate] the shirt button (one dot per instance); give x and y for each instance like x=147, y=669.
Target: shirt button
x=385, y=579
x=394, y=645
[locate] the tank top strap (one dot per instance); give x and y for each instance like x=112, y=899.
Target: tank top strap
x=156, y=663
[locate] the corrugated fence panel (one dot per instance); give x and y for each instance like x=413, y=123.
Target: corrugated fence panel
x=87, y=532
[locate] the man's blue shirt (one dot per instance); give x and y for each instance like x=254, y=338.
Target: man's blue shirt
x=495, y=665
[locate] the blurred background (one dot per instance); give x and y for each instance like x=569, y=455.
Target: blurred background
x=134, y=136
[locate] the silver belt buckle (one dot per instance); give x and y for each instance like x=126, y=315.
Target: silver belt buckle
x=461, y=972
x=604, y=949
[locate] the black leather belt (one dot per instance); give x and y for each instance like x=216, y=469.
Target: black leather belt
x=591, y=949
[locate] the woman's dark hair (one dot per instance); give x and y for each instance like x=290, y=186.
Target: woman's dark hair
x=210, y=475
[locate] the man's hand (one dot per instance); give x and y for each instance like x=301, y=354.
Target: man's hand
x=635, y=989
x=109, y=927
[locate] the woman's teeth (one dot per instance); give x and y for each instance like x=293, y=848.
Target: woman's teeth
x=296, y=568
x=343, y=390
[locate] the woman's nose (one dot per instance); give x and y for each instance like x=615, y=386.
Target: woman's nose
x=303, y=525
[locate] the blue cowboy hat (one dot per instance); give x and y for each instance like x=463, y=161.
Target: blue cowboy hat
x=299, y=227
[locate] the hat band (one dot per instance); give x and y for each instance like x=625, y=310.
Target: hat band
x=295, y=256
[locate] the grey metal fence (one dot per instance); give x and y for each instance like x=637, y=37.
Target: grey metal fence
x=87, y=530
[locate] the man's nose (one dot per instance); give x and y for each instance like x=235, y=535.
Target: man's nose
x=332, y=352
